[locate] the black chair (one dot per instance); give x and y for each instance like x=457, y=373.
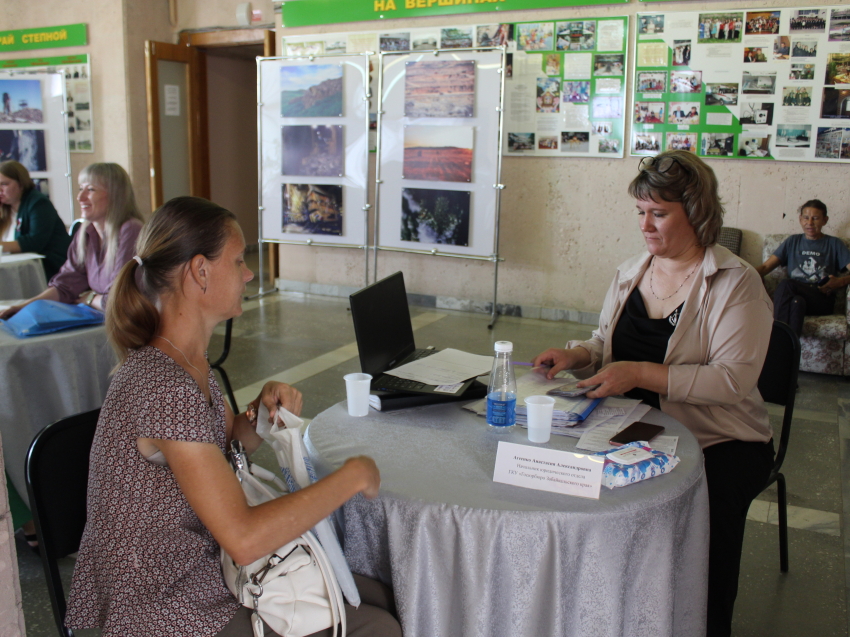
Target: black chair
x=218, y=366
x=57, y=474
x=778, y=384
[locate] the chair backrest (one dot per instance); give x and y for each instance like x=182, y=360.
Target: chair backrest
x=57, y=474
x=75, y=225
x=778, y=379
x=730, y=238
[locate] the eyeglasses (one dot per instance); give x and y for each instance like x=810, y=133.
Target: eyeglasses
x=662, y=165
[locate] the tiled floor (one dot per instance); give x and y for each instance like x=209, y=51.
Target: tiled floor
x=309, y=342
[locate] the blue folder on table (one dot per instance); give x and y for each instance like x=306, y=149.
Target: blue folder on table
x=46, y=317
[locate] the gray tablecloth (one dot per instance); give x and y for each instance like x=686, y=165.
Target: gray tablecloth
x=21, y=279
x=467, y=556
x=45, y=378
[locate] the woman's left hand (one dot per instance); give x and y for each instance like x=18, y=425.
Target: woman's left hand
x=614, y=379
x=275, y=394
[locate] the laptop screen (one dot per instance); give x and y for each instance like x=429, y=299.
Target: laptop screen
x=382, y=324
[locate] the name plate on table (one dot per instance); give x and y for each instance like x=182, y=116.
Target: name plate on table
x=549, y=470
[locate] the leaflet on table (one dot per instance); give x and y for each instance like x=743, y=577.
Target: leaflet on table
x=21, y=256
x=446, y=367
x=548, y=470
x=597, y=438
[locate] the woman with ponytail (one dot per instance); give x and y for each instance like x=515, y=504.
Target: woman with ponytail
x=162, y=498
x=103, y=243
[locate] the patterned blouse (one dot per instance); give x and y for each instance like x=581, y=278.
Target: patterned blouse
x=147, y=564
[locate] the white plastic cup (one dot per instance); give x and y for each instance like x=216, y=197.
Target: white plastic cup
x=539, y=410
x=357, y=393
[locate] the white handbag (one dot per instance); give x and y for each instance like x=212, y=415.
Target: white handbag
x=294, y=590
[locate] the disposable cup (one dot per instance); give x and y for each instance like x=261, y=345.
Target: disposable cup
x=539, y=409
x=357, y=393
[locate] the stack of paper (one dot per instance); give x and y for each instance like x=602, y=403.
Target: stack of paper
x=446, y=367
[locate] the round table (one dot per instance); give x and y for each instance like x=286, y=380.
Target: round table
x=21, y=276
x=469, y=556
x=45, y=378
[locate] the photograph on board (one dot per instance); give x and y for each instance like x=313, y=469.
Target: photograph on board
x=576, y=92
x=836, y=103
x=494, y=34
x=722, y=94
x=547, y=142
x=548, y=94
x=608, y=64
x=305, y=49
x=754, y=54
x=438, y=153
x=577, y=35
x=651, y=24
x=802, y=72
x=553, y=64
x=684, y=113
x=644, y=143
x=649, y=112
x=435, y=216
x=609, y=145
x=837, y=68
x=796, y=96
x=753, y=113
x=601, y=128
x=804, y=48
x=24, y=146
x=425, y=43
x=718, y=144
x=794, y=135
x=754, y=83
x=839, y=25
x=311, y=90
x=312, y=151
x=686, y=81
x=21, y=102
x=439, y=88
x=828, y=144
x=808, y=21
x=720, y=27
x=518, y=142
x=312, y=209
x=682, y=141
x=651, y=81
x=394, y=41
x=762, y=22
x=781, y=47
x=575, y=142
x=681, y=52
x=456, y=38
x=754, y=145
x=607, y=107
x=535, y=36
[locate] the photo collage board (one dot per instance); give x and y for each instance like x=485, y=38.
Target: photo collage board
x=313, y=129
x=744, y=83
x=77, y=72
x=33, y=131
x=438, y=157
x=565, y=88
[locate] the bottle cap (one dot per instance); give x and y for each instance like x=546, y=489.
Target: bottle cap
x=504, y=346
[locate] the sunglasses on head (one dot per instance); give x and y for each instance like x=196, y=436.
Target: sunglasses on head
x=661, y=164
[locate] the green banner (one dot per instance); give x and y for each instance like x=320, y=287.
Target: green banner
x=50, y=61
x=311, y=12
x=43, y=38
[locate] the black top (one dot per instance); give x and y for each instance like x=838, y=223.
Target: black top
x=640, y=338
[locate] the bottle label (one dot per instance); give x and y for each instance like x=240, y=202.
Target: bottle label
x=501, y=413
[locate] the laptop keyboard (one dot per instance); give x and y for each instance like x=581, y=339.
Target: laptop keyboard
x=394, y=383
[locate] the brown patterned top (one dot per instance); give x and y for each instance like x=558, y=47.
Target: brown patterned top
x=147, y=564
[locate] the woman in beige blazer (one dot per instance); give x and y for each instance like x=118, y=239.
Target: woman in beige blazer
x=685, y=327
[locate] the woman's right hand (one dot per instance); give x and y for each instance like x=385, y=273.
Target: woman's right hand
x=10, y=311
x=370, y=473
x=557, y=360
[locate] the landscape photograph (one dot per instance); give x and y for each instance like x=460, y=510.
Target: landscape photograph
x=21, y=102
x=313, y=151
x=439, y=88
x=311, y=90
x=435, y=216
x=24, y=146
x=438, y=153
x=312, y=209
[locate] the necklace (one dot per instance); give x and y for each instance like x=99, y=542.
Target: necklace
x=188, y=362
x=651, y=289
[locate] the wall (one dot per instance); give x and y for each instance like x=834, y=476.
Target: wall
x=233, y=137
x=566, y=223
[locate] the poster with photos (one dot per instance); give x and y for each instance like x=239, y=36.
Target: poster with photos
x=77, y=72
x=565, y=78
x=314, y=129
x=758, y=84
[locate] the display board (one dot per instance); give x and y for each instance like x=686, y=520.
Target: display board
x=438, y=152
x=313, y=139
x=744, y=83
x=77, y=72
x=565, y=87
x=34, y=132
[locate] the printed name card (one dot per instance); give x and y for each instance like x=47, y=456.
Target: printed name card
x=549, y=470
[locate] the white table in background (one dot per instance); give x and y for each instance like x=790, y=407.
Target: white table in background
x=21, y=276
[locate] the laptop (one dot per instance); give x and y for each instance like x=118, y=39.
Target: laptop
x=384, y=336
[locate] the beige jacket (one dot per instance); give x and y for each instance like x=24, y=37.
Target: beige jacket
x=716, y=353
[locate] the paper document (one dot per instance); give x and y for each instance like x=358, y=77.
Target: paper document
x=665, y=444
x=446, y=367
x=597, y=438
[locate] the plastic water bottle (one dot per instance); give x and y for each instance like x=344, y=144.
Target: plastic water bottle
x=501, y=394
